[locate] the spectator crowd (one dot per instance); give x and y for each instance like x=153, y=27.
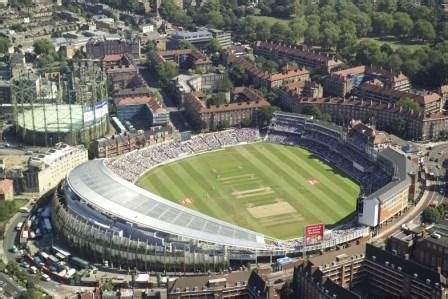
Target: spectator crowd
x=130, y=166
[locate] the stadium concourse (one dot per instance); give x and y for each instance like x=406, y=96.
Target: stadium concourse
x=100, y=208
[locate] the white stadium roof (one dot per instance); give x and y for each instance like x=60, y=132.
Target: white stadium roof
x=106, y=191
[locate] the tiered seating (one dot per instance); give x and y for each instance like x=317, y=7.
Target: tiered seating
x=131, y=165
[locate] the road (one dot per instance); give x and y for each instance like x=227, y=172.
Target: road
x=435, y=162
x=11, y=236
x=9, y=286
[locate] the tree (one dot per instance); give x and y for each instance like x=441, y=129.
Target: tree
x=362, y=22
x=214, y=46
x=382, y=23
x=44, y=46
x=386, y=5
x=165, y=72
x=407, y=103
x=298, y=27
x=107, y=285
x=12, y=267
x=330, y=35
x=369, y=52
x=312, y=109
x=402, y=24
x=424, y=30
x=4, y=44
x=263, y=30
x=170, y=12
x=217, y=99
x=185, y=44
x=238, y=75
x=223, y=85
x=431, y=215
x=280, y=32
x=266, y=114
x=312, y=35
x=443, y=31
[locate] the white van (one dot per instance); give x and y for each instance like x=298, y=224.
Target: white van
x=19, y=226
x=33, y=270
x=45, y=277
x=24, y=210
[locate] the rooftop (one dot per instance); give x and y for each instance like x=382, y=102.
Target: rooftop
x=107, y=192
x=209, y=281
x=402, y=167
x=151, y=101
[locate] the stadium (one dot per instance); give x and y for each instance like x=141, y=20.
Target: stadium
x=100, y=211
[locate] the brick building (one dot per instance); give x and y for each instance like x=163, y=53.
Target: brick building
x=245, y=105
x=289, y=74
x=369, y=272
x=98, y=48
x=119, y=144
x=430, y=102
x=309, y=59
x=184, y=59
x=340, y=83
x=418, y=126
x=120, y=70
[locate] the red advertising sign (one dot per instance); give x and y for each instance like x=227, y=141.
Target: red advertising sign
x=314, y=233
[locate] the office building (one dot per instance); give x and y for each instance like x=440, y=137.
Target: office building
x=47, y=170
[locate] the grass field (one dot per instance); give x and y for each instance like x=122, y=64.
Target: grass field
x=270, y=20
x=394, y=43
x=269, y=188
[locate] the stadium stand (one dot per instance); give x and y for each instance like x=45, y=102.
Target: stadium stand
x=99, y=203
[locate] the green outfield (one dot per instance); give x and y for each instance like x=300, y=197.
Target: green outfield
x=269, y=188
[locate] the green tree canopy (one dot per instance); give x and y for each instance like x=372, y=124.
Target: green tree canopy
x=217, y=99
x=44, y=46
x=214, y=46
x=403, y=24
x=382, y=23
x=223, y=85
x=407, y=103
x=431, y=215
x=4, y=44
x=424, y=30
x=266, y=114
x=165, y=72
x=185, y=44
x=311, y=109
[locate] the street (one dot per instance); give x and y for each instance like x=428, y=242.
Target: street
x=9, y=286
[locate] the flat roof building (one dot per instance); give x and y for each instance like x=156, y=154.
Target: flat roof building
x=47, y=170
